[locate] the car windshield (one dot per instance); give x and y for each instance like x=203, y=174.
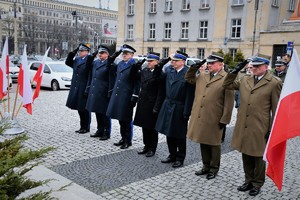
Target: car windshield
x=60, y=67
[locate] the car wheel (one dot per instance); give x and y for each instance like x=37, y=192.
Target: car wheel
x=54, y=85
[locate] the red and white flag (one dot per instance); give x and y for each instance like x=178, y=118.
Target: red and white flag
x=4, y=70
x=24, y=81
x=286, y=122
x=39, y=76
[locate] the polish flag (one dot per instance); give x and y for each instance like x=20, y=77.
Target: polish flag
x=4, y=70
x=24, y=82
x=39, y=76
x=286, y=122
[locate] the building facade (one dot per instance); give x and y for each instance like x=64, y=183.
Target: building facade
x=198, y=27
x=60, y=25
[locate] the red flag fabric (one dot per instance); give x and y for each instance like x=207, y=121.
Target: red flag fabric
x=4, y=70
x=286, y=122
x=39, y=76
x=24, y=81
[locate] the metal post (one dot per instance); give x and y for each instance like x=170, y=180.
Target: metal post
x=254, y=29
x=15, y=30
x=0, y=29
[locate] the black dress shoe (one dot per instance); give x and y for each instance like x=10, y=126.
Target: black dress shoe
x=168, y=160
x=177, y=164
x=201, y=172
x=254, y=191
x=83, y=131
x=77, y=131
x=97, y=134
x=120, y=143
x=150, y=154
x=245, y=187
x=104, y=137
x=210, y=175
x=143, y=151
x=125, y=145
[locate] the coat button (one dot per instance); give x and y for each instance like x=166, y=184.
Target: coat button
x=207, y=86
x=245, y=126
x=116, y=94
x=251, y=92
x=203, y=96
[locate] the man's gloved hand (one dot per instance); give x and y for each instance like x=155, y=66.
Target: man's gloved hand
x=267, y=136
x=239, y=67
x=221, y=125
x=163, y=61
x=133, y=101
x=95, y=53
x=116, y=54
x=155, y=112
x=198, y=65
x=140, y=63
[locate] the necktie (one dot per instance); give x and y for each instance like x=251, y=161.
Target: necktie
x=255, y=80
x=211, y=76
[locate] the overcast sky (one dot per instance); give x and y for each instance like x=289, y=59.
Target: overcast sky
x=113, y=5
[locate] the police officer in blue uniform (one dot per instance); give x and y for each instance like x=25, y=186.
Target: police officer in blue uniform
x=125, y=95
x=77, y=98
x=98, y=97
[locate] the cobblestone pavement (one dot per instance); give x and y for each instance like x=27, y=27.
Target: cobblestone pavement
x=113, y=173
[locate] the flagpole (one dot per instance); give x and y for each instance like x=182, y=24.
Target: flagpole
x=8, y=99
x=13, y=113
x=1, y=114
x=20, y=106
x=4, y=106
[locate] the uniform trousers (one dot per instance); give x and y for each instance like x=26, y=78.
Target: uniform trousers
x=103, y=124
x=177, y=148
x=150, y=139
x=254, y=168
x=85, y=119
x=211, y=157
x=126, y=130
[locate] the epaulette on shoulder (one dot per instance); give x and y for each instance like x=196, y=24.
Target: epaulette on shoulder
x=276, y=78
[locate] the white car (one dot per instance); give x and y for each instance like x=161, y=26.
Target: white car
x=57, y=75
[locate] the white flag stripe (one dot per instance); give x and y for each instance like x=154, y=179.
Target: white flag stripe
x=27, y=91
x=44, y=61
x=3, y=64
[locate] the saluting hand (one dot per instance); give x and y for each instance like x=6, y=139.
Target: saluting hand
x=163, y=61
x=198, y=65
x=239, y=67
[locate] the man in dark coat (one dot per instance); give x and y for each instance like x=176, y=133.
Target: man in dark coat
x=280, y=69
x=125, y=95
x=174, y=115
x=150, y=100
x=77, y=99
x=98, y=97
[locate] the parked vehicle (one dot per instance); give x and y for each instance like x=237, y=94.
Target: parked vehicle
x=190, y=61
x=57, y=75
x=13, y=72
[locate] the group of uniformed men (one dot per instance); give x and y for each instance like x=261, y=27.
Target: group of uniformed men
x=168, y=96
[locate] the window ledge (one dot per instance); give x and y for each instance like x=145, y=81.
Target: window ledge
x=202, y=39
x=129, y=40
x=130, y=14
x=168, y=11
x=235, y=39
x=237, y=5
x=152, y=13
x=150, y=39
x=183, y=39
x=167, y=39
x=206, y=8
x=185, y=10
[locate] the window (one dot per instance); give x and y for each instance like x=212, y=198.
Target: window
x=201, y=53
x=203, y=30
x=291, y=5
x=151, y=31
x=130, y=32
x=275, y=3
x=130, y=7
x=153, y=6
x=150, y=49
x=185, y=4
x=204, y=4
x=167, y=34
x=184, y=30
x=182, y=49
x=238, y=2
x=236, y=29
x=169, y=4
x=165, y=52
x=232, y=53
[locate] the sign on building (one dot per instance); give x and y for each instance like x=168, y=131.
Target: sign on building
x=65, y=46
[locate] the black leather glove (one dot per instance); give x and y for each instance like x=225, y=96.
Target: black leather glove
x=221, y=125
x=140, y=63
x=267, y=136
x=116, y=54
x=75, y=50
x=155, y=112
x=95, y=53
x=198, y=65
x=133, y=101
x=239, y=67
x=163, y=61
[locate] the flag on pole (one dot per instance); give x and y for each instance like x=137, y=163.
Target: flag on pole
x=4, y=69
x=24, y=82
x=286, y=122
x=39, y=76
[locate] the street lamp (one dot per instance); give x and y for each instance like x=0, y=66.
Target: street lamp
x=15, y=29
x=256, y=5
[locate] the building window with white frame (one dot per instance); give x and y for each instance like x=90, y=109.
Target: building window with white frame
x=130, y=32
x=238, y=2
x=232, y=52
x=167, y=34
x=169, y=5
x=152, y=6
x=165, y=52
x=236, y=28
x=182, y=49
x=150, y=49
x=275, y=3
x=152, y=31
x=186, y=5
x=130, y=7
x=201, y=53
x=204, y=4
x=291, y=5
x=203, y=29
x=184, y=30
